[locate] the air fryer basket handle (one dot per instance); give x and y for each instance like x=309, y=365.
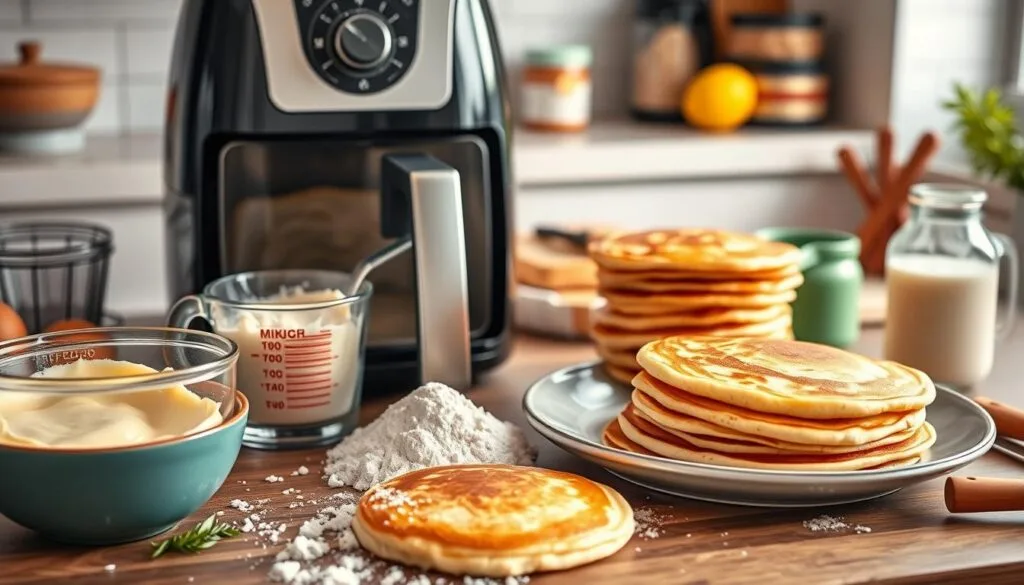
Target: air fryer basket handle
x=422, y=195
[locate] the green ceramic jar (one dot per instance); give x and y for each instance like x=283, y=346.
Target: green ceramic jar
x=827, y=305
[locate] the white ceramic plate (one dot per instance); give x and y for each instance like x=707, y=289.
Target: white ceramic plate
x=571, y=407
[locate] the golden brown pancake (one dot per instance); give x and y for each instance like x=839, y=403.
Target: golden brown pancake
x=620, y=374
x=792, y=378
x=832, y=432
x=632, y=340
x=671, y=446
x=613, y=436
x=659, y=304
x=697, y=319
x=716, y=438
x=492, y=520
x=626, y=281
x=692, y=250
x=661, y=275
x=622, y=358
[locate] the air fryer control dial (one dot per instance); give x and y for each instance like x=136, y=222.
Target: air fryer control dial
x=360, y=46
x=363, y=41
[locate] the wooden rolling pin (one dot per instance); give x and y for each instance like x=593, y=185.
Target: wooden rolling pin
x=965, y=495
x=1009, y=420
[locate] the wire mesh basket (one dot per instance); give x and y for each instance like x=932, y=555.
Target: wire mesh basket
x=51, y=272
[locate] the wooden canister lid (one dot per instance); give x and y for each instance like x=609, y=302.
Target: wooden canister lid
x=30, y=70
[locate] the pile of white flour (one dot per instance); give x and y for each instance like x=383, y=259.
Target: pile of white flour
x=434, y=425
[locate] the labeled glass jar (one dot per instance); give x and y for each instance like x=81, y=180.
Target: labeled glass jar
x=942, y=271
x=672, y=41
x=557, y=89
x=789, y=94
x=786, y=36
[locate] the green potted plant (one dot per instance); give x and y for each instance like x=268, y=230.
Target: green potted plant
x=988, y=132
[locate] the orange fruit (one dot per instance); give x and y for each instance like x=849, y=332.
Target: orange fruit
x=71, y=325
x=720, y=98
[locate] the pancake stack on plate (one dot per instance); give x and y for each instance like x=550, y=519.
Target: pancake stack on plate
x=691, y=282
x=774, y=404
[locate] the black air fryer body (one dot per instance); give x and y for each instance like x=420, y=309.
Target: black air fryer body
x=279, y=114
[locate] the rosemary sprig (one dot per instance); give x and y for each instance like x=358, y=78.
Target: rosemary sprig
x=204, y=535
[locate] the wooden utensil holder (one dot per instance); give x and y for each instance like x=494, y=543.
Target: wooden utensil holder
x=884, y=196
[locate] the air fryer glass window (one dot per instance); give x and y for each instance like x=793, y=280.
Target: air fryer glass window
x=316, y=204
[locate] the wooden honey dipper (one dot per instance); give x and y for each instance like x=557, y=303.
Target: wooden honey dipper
x=990, y=494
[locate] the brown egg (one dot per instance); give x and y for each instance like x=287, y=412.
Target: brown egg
x=11, y=325
x=68, y=325
x=71, y=325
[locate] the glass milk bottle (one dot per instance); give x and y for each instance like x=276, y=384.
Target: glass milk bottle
x=942, y=274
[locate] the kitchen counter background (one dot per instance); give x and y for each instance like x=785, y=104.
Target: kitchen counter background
x=893, y=61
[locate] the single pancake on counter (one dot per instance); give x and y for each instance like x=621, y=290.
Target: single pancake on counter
x=492, y=520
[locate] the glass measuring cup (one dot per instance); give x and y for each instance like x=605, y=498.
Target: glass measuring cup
x=301, y=347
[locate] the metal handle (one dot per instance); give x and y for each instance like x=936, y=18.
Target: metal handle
x=375, y=260
x=182, y=313
x=422, y=197
x=1010, y=253
x=185, y=310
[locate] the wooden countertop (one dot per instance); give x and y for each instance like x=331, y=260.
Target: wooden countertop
x=912, y=539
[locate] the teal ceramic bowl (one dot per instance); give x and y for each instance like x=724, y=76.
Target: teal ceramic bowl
x=117, y=494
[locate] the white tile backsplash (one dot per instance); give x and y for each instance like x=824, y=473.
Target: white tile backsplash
x=10, y=12
x=131, y=41
x=107, y=117
x=940, y=42
x=149, y=50
x=109, y=10
x=146, y=106
x=571, y=10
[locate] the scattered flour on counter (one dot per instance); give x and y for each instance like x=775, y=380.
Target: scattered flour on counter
x=647, y=523
x=434, y=425
x=826, y=523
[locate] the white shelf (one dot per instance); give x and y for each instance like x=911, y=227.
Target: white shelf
x=629, y=151
x=127, y=169
x=110, y=170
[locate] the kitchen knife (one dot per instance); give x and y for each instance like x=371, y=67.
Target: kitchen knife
x=577, y=238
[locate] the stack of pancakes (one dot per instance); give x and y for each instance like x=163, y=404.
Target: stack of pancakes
x=692, y=282
x=773, y=404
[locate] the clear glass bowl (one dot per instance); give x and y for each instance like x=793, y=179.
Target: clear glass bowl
x=204, y=363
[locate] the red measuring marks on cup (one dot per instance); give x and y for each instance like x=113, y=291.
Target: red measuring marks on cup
x=297, y=368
